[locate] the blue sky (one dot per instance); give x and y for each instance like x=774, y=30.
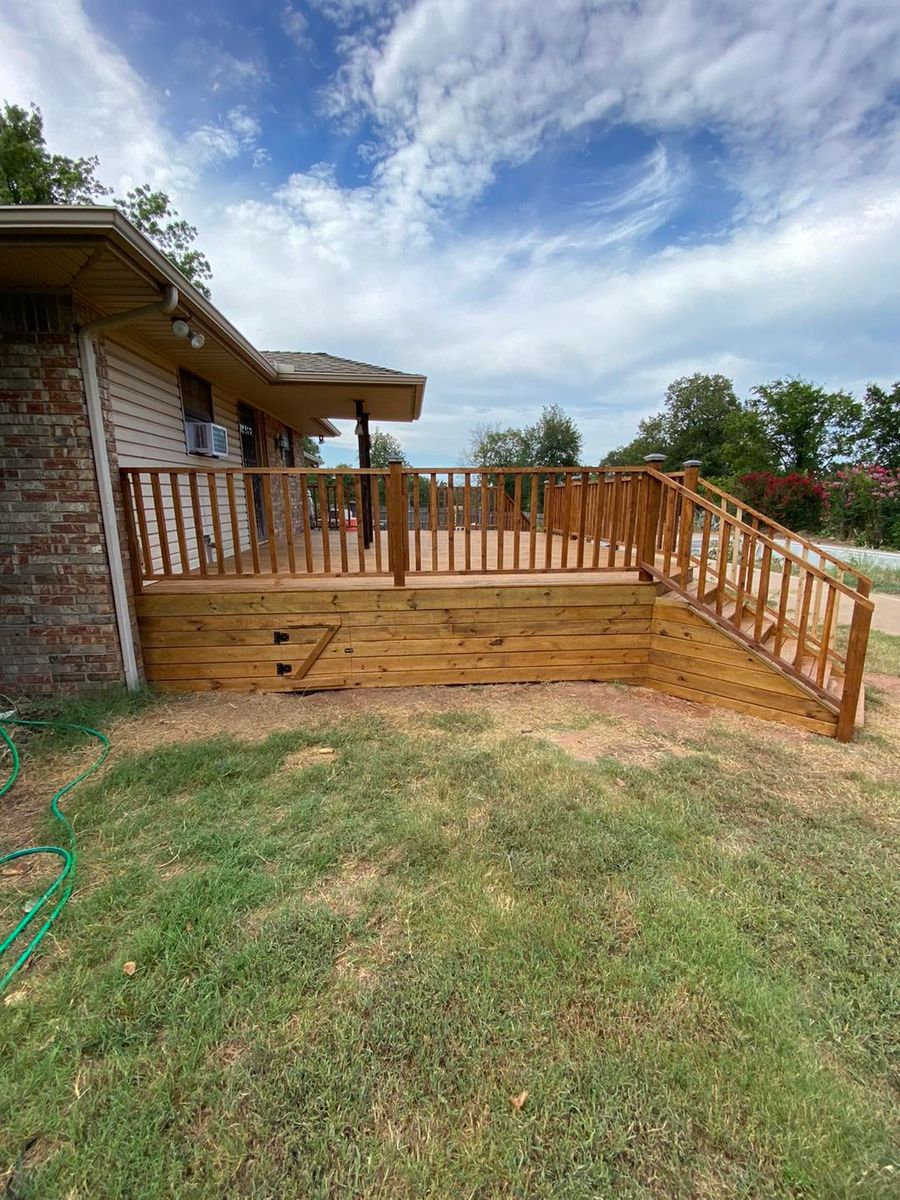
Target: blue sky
x=530, y=201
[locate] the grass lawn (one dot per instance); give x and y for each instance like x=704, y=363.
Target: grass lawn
x=566, y=941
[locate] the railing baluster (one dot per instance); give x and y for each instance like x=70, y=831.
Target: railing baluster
x=379, y=487
x=288, y=510
x=161, y=526
x=803, y=621
x=146, y=551
x=324, y=523
x=722, y=562
x=532, y=522
x=198, y=524
x=704, y=556
x=598, y=521
x=822, y=664
x=467, y=518
x=450, y=510
x=235, y=525
x=582, y=519
x=549, y=489
x=517, y=519
x=614, y=501
x=342, y=524
x=484, y=520
x=566, y=522
x=252, y=530
x=762, y=595
x=213, y=487
x=417, y=519
x=784, y=599
x=433, y=519
x=175, y=488
x=271, y=535
x=500, y=510
x=360, y=532
x=305, y=499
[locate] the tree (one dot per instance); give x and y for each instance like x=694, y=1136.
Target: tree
x=704, y=419
x=494, y=446
x=808, y=427
x=29, y=174
x=384, y=448
x=152, y=213
x=881, y=426
x=553, y=441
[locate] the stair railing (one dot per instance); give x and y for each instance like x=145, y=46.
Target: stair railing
x=782, y=605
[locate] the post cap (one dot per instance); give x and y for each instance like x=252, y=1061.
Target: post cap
x=395, y=462
x=651, y=458
x=693, y=462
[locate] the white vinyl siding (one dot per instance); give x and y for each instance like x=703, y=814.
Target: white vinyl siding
x=148, y=426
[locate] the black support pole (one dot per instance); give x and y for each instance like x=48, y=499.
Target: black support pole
x=365, y=460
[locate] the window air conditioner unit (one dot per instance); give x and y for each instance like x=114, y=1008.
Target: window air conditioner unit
x=205, y=438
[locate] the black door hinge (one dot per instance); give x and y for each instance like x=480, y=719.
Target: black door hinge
x=279, y=638
x=283, y=668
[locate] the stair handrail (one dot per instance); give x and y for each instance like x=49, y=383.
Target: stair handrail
x=822, y=553
x=853, y=662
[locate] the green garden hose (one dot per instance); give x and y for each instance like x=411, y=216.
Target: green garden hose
x=68, y=856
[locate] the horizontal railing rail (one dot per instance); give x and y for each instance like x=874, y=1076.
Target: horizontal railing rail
x=782, y=604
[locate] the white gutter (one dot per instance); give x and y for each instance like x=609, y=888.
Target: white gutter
x=166, y=304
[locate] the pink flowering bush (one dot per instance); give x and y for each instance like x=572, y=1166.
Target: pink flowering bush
x=797, y=501
x=864, y=505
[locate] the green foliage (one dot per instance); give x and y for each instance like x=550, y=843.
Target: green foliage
x=386, y=447
x=865, y=505
x=310, y=448
x=553, y=441
x=881, y=426
x=704, y=419
x=29, y=174
x=808, y=427
x=151, y=212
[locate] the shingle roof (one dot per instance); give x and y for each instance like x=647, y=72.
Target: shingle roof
x=306, y=363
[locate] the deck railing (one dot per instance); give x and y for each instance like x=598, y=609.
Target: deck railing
x=397, y=522
x=751, y=582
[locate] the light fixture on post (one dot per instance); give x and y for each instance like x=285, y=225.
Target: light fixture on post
x=360, y=428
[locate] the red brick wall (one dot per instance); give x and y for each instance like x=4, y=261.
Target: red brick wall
x=57, y=624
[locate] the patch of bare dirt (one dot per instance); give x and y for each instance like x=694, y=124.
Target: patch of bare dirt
x=344, y=890
x=620, y=741
x=311, y=756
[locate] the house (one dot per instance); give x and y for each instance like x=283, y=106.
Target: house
x=159, y=522
x=110, y=359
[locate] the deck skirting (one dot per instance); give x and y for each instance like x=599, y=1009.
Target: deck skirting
x=608, y=628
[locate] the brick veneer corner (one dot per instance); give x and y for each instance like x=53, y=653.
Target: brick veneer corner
x=57, y=622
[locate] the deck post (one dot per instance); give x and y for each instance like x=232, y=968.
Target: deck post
x=652, y=502
x=691, y=482
x=397, y=533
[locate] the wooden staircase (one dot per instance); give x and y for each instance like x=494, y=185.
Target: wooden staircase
x=766, y=588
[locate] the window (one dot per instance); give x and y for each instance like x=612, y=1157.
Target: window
x=196, y=397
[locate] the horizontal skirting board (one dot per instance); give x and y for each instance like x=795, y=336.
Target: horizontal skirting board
x=390, y=599
x=403, y=647
x=534, y=618
x=399, y=664
x=634, y=673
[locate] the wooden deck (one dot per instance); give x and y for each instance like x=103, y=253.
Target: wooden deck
x=626, y=575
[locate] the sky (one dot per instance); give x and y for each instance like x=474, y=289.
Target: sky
x=528, y=201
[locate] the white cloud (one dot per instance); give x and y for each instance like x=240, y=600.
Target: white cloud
x=572, y=307
x=295, y=25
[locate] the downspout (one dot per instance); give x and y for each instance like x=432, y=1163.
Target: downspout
x=166, y=304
